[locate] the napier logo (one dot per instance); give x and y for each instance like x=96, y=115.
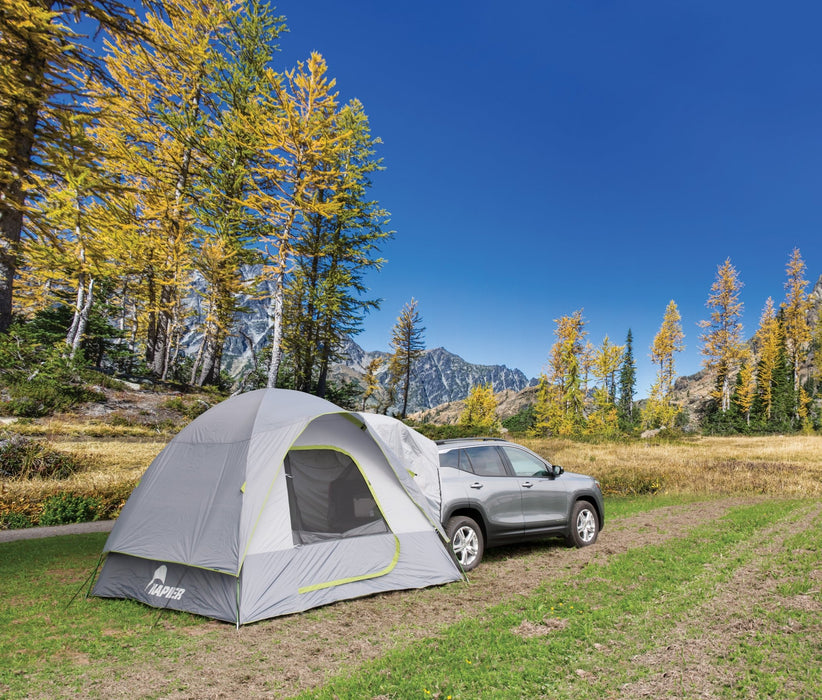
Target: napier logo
x=157, y=586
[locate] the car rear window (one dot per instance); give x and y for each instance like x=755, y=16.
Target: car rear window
x=450, y=459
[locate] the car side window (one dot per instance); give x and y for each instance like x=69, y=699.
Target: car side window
x=486, y=461
x=525, y=464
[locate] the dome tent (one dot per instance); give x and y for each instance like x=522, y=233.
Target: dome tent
x=276, y=501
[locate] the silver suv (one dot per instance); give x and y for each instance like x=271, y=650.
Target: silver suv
x=497, y=492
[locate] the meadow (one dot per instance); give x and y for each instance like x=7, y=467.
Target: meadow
x=705, y=582
x=116, y=456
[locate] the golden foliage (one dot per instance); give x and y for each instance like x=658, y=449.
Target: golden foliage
x=722, y=340
x=660, y=410
x=795, y=313
x=480, y=407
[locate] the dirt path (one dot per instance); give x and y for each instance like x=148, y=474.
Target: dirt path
x=34, y=533
x=281, y=657
x=701, y=667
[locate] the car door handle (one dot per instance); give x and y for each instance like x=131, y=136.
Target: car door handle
x=526, y=484
x=476, y=485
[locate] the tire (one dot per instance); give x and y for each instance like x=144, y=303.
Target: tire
x=467, y=541
x=584, y=526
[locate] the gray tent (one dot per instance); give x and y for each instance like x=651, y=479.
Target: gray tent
x=274, y=502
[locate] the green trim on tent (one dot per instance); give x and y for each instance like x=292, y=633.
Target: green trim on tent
x=394, y=560
x=339, y=582
x=274, y=481
x=353, y=418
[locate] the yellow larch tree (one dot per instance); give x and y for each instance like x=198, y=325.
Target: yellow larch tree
x=293, y=127
x=660, y=410
x=722, y=338
x=228, y=227
x=480, y=407
x=372, y=383
x=745, y=395
x=153, y=134
x=795, y=310
x=67, y=248
x=605, y=363
x=408, y=346
x=767, y=343
x=560, y=408
x=45, y=67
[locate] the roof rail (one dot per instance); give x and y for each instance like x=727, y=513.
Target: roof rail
x=470, y=439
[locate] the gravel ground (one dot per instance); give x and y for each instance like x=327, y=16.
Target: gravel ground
x=34, y=533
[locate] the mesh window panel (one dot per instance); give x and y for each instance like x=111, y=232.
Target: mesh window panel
x=328, y=497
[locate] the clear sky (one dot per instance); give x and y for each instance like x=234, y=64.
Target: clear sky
x=548, y=156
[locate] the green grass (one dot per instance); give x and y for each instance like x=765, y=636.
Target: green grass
x=657, y=620
x=47, y=644
x=597, y=625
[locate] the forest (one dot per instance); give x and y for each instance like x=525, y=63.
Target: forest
x=768, y=383
x=144, y=151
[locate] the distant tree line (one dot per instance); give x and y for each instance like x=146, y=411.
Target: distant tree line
x=169, y=149
x=769, y=383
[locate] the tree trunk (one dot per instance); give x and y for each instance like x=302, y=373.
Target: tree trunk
x=406, y=388
x=210, y=359
x=277, y=332
x=19, y=120
x=81, y=315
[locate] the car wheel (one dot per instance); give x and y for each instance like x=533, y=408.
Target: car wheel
x=466, y=541
x=584, y=526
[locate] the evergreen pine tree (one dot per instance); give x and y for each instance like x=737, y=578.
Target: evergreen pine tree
x=408, y=345
x=627, y=385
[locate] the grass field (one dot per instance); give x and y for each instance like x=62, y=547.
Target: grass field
x=705, y=582
x=680, y=597
x=776, y=465
x=702, y=466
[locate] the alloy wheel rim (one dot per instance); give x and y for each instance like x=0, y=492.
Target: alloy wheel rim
x=466, y=545
x=586, y=525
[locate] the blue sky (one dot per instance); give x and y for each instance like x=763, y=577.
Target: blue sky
x=543, y=157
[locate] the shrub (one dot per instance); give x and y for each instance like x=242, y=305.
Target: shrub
x=23, y=458
x=38, y=376
x=189, y=410
x=27, y=508
x=522, y=422
x=15, y=521
x=65, y=508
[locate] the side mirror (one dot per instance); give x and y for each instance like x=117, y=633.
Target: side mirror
x=556, y=470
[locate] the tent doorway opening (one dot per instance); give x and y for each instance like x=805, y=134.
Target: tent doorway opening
x=329, y=497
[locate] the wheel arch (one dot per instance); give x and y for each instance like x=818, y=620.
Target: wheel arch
x=470, y=512
x=590, y=500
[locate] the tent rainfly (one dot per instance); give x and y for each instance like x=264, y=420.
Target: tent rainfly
x=276, y=501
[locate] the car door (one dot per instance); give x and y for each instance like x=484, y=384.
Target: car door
x=544, y=497
x=495, y=490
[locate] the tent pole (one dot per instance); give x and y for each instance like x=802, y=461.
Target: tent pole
x=89, y=580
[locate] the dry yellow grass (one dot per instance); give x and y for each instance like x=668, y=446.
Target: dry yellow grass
x=113, y=468
x=702, y=466
x=124, y=457
x=775, y=465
